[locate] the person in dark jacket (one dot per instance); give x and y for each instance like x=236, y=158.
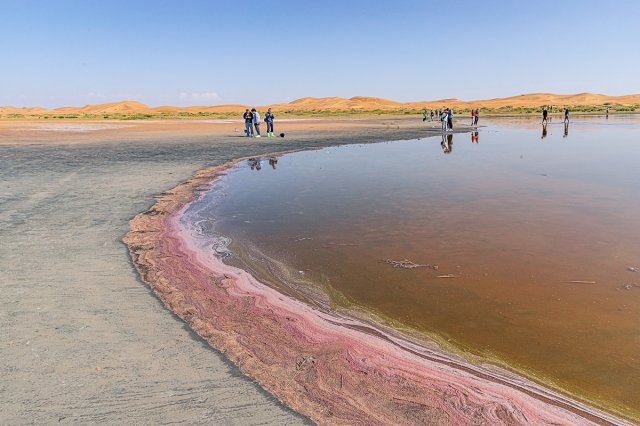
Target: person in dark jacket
x=248, y=121
x=268, y=118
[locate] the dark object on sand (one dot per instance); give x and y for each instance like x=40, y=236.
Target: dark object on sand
x=282, y=135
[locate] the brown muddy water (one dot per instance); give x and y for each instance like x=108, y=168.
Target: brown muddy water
x=535, y=236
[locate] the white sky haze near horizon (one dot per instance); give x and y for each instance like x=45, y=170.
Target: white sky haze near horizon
x=197, y=52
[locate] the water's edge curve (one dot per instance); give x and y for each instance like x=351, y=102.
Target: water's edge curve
x=322, y=365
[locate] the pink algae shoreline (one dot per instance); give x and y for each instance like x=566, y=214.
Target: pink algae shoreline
x=320, y=364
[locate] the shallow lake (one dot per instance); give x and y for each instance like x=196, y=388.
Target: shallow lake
x=530, y=239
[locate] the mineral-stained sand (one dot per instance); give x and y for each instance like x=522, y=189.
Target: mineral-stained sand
x=83, y=340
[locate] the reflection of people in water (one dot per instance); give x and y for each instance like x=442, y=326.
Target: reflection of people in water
x=254, y=163
x=447, y=143
x=474, y=137
x=544, y=131
x=272, y=162
x=566, y=129
x=544, y=116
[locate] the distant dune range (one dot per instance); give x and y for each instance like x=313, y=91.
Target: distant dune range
x=355, y=104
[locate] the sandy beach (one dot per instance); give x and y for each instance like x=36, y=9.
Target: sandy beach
x=84, y=340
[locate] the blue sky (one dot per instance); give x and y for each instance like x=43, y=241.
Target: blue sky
x=62, y=52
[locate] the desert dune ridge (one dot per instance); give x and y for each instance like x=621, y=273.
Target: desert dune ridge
x=333, y=104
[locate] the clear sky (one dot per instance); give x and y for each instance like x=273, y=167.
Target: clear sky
x=189, y=52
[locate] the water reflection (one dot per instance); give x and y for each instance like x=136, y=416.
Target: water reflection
x=254, y=163
x=566, y=129
x=544, y=130
x=447, y=143
x=273, y=162
x=475, y=138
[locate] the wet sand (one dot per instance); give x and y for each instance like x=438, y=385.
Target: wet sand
x=83, y=339
x=305, y=129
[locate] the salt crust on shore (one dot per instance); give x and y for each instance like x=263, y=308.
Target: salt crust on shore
x=323, y=365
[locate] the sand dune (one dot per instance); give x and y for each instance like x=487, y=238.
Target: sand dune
x=336, y=103
x=357, y=103
x=534, y=100
x=23, y=110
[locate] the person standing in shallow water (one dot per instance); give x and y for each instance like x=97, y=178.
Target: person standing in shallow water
x=256, y=121
x=248, y=120
x=450, y=119
x=544, y=116
x=475, y=120
x=268, y=118
x=566, y=115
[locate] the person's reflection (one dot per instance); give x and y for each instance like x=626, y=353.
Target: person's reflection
x=474, y=137
x=254, y=163
x=447, y=143
x=443, y=144
x=272, y=162
x=566, y=129
x=544, y=131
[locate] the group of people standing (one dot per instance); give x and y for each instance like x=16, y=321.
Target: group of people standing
x=446, y=117
x=252, y=123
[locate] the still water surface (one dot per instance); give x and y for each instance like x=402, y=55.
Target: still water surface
x=536, y=233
